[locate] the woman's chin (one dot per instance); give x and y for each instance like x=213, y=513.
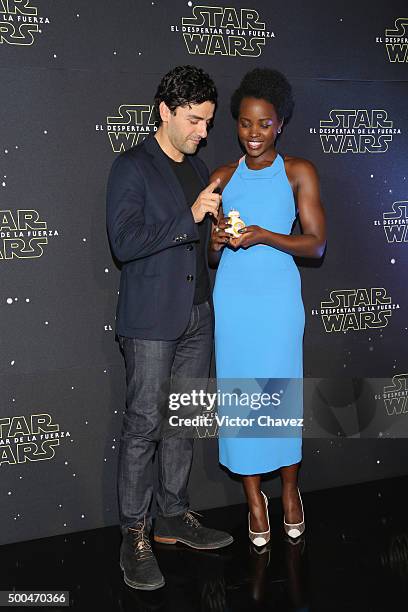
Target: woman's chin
x=253, y=152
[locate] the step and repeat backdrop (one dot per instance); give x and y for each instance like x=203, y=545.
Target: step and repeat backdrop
x=77, y=80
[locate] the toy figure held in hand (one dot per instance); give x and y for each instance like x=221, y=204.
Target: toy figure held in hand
x=236, y=223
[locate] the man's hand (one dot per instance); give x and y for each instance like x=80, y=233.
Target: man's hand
x=207, y=202
x=250, y=235
x=219, y=237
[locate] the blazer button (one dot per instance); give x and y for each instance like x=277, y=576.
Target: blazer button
x=190, y=277
x=184, y=235
x=189, y=247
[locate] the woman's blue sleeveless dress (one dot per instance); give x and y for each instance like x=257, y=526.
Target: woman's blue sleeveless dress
x=259, y=314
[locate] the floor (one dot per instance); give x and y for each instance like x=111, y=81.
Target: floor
x=353, y=556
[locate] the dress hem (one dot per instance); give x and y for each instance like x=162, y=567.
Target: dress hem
x=272, y=469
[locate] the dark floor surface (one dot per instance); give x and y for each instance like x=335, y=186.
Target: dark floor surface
x=353, y=556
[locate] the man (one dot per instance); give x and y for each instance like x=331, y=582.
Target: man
x=159, y=208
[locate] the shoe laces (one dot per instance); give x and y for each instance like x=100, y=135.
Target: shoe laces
x=141, y=542
x=191, y=519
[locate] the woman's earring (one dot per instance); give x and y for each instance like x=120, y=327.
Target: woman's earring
x=279, y=130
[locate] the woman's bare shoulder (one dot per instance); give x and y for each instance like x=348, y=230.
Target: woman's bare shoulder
x=224, y=173
x=299, y=166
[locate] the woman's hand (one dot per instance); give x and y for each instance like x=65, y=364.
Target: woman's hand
x=250, y=235
x=219, y=237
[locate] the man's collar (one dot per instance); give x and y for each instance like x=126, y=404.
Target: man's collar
x=153, y=148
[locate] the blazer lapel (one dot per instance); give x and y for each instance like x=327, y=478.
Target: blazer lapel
x=204, y=181
x=162, y=165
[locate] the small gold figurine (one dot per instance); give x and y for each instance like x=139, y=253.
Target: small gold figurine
x=236, y=223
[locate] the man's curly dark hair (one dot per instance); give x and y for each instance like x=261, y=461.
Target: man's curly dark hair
x=265, y=84
x=182, y=86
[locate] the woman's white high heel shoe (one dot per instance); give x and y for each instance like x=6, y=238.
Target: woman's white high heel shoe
x=262, y=537
x=294, y=530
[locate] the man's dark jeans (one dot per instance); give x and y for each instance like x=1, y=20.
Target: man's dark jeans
x=154, y=369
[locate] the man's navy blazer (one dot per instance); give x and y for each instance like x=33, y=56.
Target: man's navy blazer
x=151, y=230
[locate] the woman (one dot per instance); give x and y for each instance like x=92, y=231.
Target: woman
x=257, y=295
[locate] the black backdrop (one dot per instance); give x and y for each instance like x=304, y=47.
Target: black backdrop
x=77, y=82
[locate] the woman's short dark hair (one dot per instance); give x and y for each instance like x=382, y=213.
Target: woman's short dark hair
x=184, y=85
x=265, y=84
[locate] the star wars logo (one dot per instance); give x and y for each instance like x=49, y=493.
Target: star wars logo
x=29, y=438
x=396, y=41
x=356, y=309
x=356, y=131
x=395, y=223
x=22, y=234
x=395, y=396
x=130, y=127
x=19, y=22
x=217, y=30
